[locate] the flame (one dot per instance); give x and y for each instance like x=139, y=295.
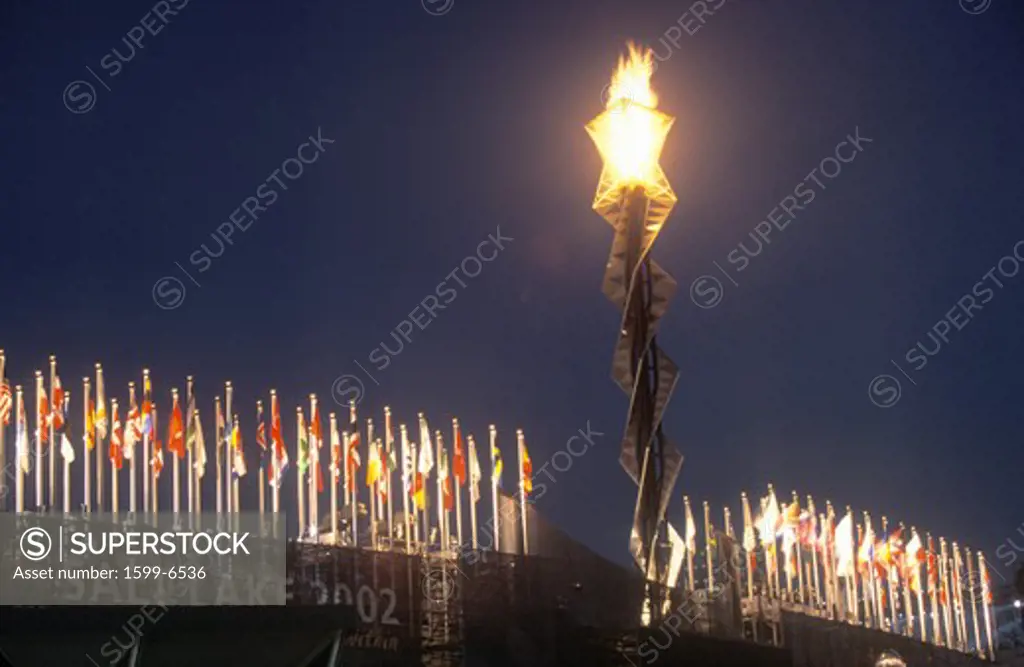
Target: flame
x=630, y=133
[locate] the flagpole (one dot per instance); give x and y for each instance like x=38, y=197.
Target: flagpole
x=986, y=604
x=314, y=468
x=334, y=479
x=908, y=605
x=389, y=451
x=456, y=442
x=152, y=467
x=190, y=471
x=440, y=492
x=66, y=464
x=974, y=600
x=472, y=500
x=346, y=491
x=275, y=465
x=114, y=492
x=229, y=415
x=961, y=611
x=300, y=487
x=87, y=438
x=922, y=618
x=101, y=428
x=262, y=454
x=196, y=470
x=235, y=477
x=371, y=447
x=53, y=445
x=944, y=604
x=827, y=565
x=801, y=591
x=351, y=478
x=407, y=480
x=933, y=599
x=40, y=425
x=522, y=492
x=775, y=549
x=176, y=492
x=709, y=537
x=128, y=422
x=494, y=488
x=19, y=445
x=145, y=442
x=218, y=420
x=689, y=550
x=748, y=528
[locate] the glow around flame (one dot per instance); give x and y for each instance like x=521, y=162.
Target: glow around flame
x=631, y=132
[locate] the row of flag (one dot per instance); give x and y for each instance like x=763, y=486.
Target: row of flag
x=134, y=425
x=887, y=577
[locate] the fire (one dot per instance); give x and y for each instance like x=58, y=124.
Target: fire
x=631, y=132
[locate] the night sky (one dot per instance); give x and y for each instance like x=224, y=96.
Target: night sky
x=448, y=125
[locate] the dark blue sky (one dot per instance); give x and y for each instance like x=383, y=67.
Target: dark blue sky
x=446, y=127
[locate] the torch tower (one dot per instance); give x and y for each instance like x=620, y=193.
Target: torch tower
x=635, y=198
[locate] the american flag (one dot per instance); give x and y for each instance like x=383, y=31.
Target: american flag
x=5, y=403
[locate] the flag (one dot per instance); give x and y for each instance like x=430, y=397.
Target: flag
x=390, y=461
x=316, y=439
x=132, y=428
x=914, y=557
x=90, y=427
x=474, y=473
x=278, y=440
x=303, y=445
x=148, y=422
x=158, y=448
x=21, y=439
x=261, y=433
x=101, y=408
x=199, y=449
x=116, y=451
x=807, y=528
x=419, y=487
x=770, y=521
x=190, y=427
x=218, y=434
x=526, y=474
x=373, y=466
x=497, y=468
x=336, y=453
x=460, y=460
x=175, y=431
x=866, y=553
x=42, y=419
x=353, y=460
x=6, y=401
x=690, y=531
x=66, y=448
x=236, y=447
x=446, y=481
x=408, y=465
x=426, y=463
x=844, y=547
x=57, y=406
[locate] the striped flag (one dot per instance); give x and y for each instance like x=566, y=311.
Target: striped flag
x=90, y=427
x=279, y=449
x=6, y=402
x=474, y=472
x=101, y=408
x=526, y=474
x=459, y=459
x=116, y=452
x=239, y=469
x=175, y=431
x=57, y=406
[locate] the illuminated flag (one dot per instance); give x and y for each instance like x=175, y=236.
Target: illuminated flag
x=915, y=557
x=426, y=463
x=278, y=441
x=261, y=432
x=175, y=431
x=6, y=401
x=866, y=553
x=690, y=530
x=43, y=414
x=498, y=467
x=446, y=481
x=148, y=421
x=116, y=452
x=158, y=447
x=67, y=450
x=199, y=448
x=219, y=429
x=236, y=447
x=373, y=466
x=390, y=461
x=90, y=427
x=770, y=521
x=21, y=439
x=101, y=407
x=303, y=445
x=460, y=461
x=190, y=426
x=132, y=428
x=845, y=547
x=474, y=472
x=57, y=407
x=353, y=460
x=336, y=454
x=526, y=474
x=316, y=440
